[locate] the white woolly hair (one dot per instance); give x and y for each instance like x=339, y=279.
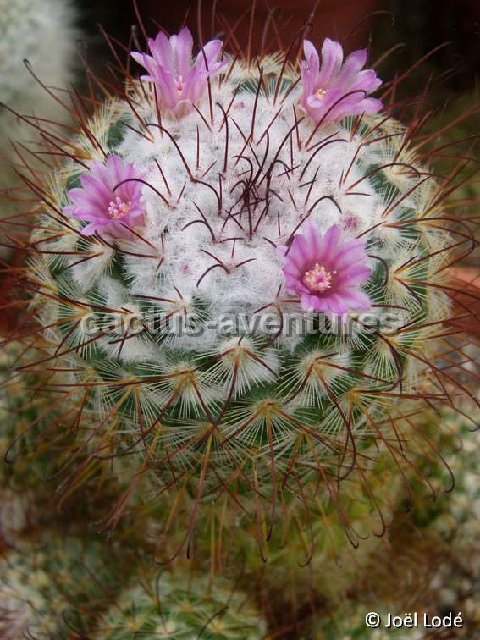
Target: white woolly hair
x=224, y=186
x=199, y=172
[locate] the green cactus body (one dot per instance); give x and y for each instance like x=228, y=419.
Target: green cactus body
x=52, y=587
x=178, y=605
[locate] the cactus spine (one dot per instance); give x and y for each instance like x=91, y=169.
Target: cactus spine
x=52, y=586
x=179, y=605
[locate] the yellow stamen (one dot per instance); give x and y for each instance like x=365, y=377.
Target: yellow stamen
x=118, y=208
x=318, y=279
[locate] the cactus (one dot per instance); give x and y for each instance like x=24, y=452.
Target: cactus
x=305, y=556
x=52, y=586
x=178, y=604
x=240, y=269
x=27, y=30
x=237, y=301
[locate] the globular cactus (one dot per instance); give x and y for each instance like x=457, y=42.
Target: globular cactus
x=177, y=604
x=241, y=270
x=27, y=31
x=50, y=588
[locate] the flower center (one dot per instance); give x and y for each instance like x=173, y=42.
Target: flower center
x=320, y=93
x=318, y=279
x=118, y=208
x=180, y=84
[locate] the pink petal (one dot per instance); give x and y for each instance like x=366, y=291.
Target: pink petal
x=330, y=243
x=367, y=81
x=207, y=58
x=90, y=229
x=353, y=275
x=178, y=81
x=143, y=60
x=166, y=87
x=358, y=300
x=353, y=64
x=195, y=84
x=313, y=303
x=338, y=303
x=311, y=55
x=344, y=85
x=181, y=47
x=346, y=260
x=302, y=251
x=332, y=58
x=162, y=51
x=90, y=202
x=349, y=254
x=371, y=106
x=312, y=235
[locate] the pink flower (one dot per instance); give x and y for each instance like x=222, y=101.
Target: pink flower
x=337, y=88
x=106, y=208
x=179, y=81
x=327, y=271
